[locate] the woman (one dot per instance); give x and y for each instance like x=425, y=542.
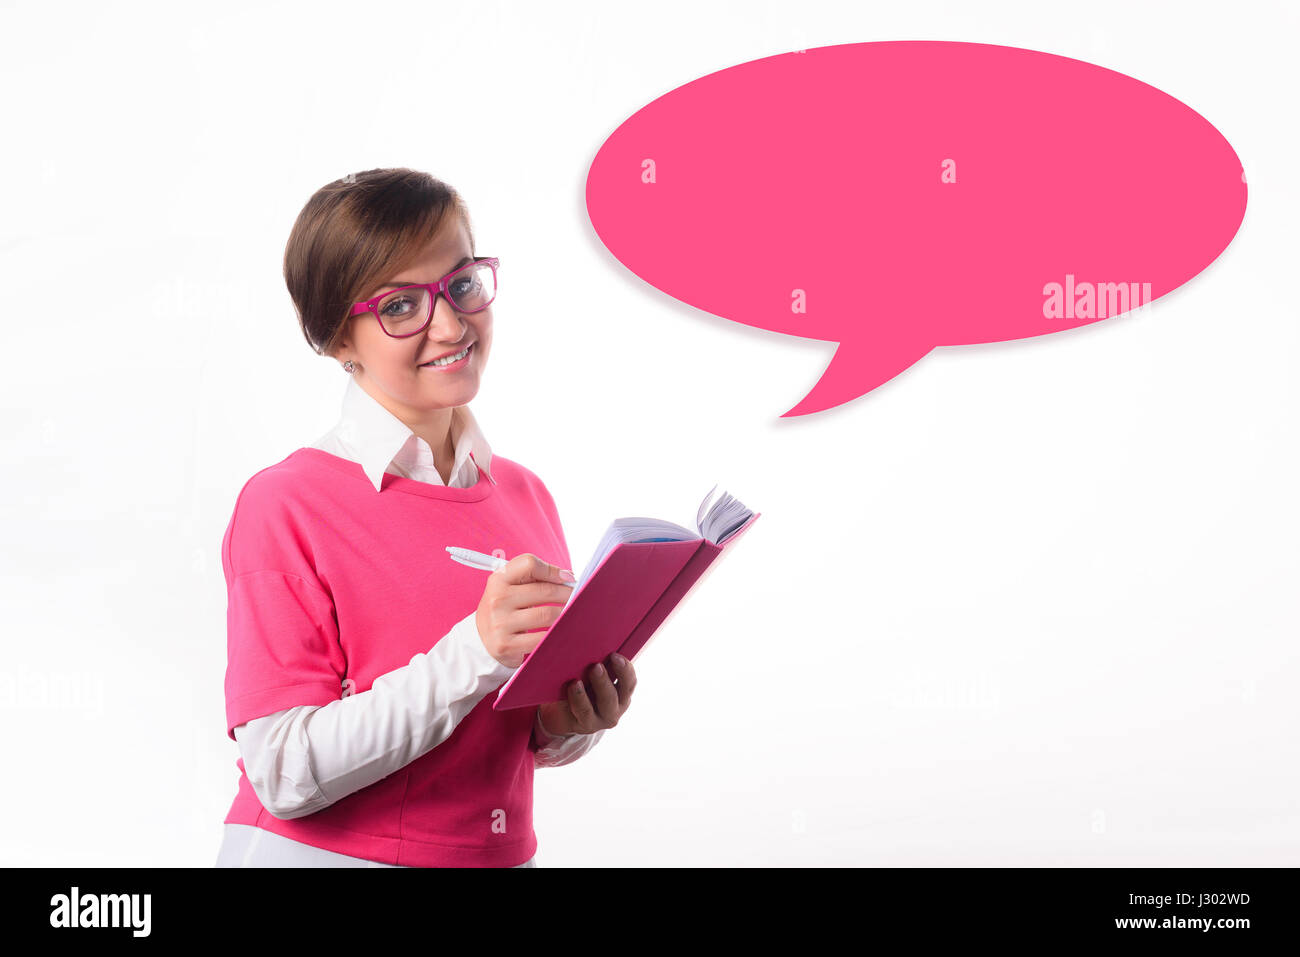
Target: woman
x=362, y=661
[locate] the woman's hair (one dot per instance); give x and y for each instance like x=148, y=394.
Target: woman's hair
x=355, y=233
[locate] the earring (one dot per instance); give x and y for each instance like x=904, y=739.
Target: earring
x=348, y=367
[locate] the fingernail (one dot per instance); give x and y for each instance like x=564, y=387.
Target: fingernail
x=599, y=671
x=568, y=576
x=619, y=659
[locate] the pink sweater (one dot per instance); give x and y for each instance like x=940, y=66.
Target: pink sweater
x=328, y=581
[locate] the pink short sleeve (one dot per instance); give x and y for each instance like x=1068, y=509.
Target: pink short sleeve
x=282, y=647
x=282, y=635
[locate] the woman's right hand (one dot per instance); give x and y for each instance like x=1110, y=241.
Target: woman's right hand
x=517, y=607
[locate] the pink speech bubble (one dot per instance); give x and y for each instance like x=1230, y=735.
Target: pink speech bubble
x=897, y=196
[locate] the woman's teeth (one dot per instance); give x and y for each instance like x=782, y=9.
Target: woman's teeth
x=450, y=359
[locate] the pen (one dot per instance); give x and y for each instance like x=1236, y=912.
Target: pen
x=489, y=563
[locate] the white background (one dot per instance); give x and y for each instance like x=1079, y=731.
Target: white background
x=1028, y=603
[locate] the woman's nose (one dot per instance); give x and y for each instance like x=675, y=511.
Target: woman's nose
x=445, y=323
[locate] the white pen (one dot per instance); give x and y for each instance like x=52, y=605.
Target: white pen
x=489, y=563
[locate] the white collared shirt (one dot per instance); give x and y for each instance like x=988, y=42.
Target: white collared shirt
x=302, y=759
x=370, y=434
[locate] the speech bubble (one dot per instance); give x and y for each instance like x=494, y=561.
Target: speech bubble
x=901, y=195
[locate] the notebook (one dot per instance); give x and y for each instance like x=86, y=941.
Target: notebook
x=641, y=572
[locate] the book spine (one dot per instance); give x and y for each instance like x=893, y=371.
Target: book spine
x=664, y=609
x=699, y=568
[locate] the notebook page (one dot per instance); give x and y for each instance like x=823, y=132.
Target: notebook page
x=634, y=528
x=722, y=519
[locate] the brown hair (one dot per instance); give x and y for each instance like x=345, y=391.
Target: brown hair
x=353, y=234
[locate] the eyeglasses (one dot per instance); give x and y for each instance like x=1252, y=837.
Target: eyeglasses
x=408, y=310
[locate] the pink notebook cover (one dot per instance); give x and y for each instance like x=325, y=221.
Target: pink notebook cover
x=633, y=591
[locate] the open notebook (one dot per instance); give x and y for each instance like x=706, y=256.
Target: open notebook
x=641, y=572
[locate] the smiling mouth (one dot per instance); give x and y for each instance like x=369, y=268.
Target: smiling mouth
x=449, y=360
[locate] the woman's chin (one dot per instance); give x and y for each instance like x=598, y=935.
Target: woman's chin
x=459, y=392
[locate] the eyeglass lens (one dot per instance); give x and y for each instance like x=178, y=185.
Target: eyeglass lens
x=405, y=311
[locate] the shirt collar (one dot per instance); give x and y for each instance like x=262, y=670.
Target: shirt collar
x=378, y=438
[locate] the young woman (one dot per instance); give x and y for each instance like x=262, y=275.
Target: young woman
x=362, y=660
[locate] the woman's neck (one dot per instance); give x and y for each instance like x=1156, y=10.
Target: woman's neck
x=444, y=453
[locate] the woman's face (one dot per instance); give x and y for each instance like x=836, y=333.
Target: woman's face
x=392, y=370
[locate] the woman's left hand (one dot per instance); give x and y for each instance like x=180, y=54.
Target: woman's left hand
x=582, y=713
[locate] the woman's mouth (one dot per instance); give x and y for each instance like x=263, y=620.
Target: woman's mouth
x=451, y=363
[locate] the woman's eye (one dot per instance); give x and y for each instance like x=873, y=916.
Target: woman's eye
x=397, y=308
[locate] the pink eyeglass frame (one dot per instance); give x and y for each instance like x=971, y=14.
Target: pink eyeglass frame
x=436, y=289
